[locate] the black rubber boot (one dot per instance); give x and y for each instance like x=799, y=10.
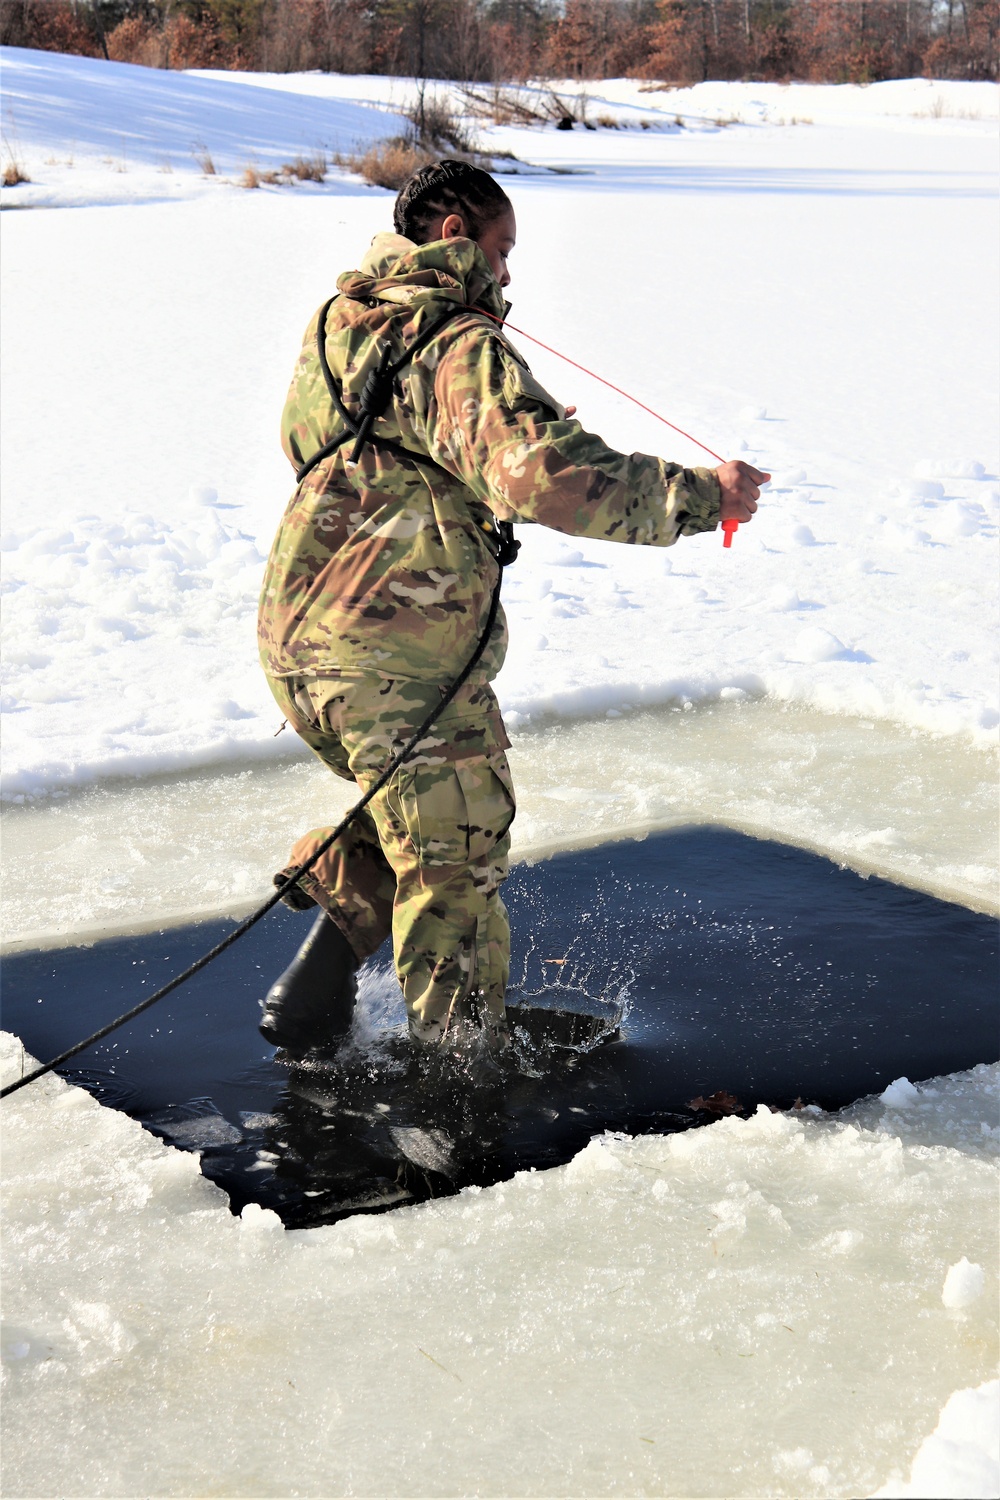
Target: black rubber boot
x=312, y=1002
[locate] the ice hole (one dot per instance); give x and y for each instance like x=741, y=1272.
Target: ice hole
x=727, y=972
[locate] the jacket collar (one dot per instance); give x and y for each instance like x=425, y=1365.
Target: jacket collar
x=396, y=270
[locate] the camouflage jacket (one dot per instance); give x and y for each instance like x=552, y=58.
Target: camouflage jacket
x=386, y=565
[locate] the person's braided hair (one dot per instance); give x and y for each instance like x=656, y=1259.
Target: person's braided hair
x=447, y=187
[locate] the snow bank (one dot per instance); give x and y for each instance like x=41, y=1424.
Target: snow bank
x=89, y=131
x=713, y=105
x=577, y=1331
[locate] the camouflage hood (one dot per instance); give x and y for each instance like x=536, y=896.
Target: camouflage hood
x=385, y=565
x=398, y=271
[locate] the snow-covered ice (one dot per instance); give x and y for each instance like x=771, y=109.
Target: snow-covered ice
x=752, y=1308
x=171, y=329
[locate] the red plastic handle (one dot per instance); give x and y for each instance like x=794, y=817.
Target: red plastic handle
x=729, y=530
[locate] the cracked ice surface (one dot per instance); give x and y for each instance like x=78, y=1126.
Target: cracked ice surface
x=739, y=1309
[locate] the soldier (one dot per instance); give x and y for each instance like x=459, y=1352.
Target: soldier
x=379, y=585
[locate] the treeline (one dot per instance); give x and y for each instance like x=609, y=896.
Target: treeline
x=674, y=41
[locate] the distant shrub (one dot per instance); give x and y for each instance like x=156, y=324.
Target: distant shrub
x=389, y=163
x=436, y=127
x=307, y=169
x=197, y=45
x=14, y=173
x=135, y=40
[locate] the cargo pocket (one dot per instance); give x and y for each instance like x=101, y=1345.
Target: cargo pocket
x=456, y=813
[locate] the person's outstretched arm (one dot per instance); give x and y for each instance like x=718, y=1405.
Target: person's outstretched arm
x=498, y=430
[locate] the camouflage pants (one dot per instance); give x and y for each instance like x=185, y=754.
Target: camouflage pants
x=426, y=858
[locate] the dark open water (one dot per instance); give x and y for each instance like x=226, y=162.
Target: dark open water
x=741, y=966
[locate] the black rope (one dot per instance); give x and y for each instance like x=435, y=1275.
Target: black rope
x=303, y=869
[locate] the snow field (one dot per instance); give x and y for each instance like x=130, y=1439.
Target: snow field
x=712, y=106
x=740, y=1309
x=766, y=288
x=134, y=854
x=89, y=131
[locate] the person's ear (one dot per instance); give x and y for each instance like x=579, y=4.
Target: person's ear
x=453, y=227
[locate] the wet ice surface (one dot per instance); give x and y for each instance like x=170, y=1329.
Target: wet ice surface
x=742, y=1309
x=733, y=966
x=917, y=808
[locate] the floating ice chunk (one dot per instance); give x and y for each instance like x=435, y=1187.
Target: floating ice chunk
x=959, y=1461
x=963, y=1284
x=752, y=414
x=803, y=535
x=569, y=558
x=425, y=1147
x=202, y=1132
x=949, y=468
x=900, y=1094
x=203, y=494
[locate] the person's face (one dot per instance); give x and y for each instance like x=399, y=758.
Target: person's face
x=496, y=241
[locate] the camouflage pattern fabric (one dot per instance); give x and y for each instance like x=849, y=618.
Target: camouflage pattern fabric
x=426, y=859
x=378, y=587
x=384, y=565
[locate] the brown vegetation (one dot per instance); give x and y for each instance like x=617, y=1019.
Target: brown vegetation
x=387, y=164
x=502, y=41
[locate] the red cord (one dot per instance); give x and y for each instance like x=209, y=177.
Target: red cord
x=616, y=388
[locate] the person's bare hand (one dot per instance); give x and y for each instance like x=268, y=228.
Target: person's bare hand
x=740, y=484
